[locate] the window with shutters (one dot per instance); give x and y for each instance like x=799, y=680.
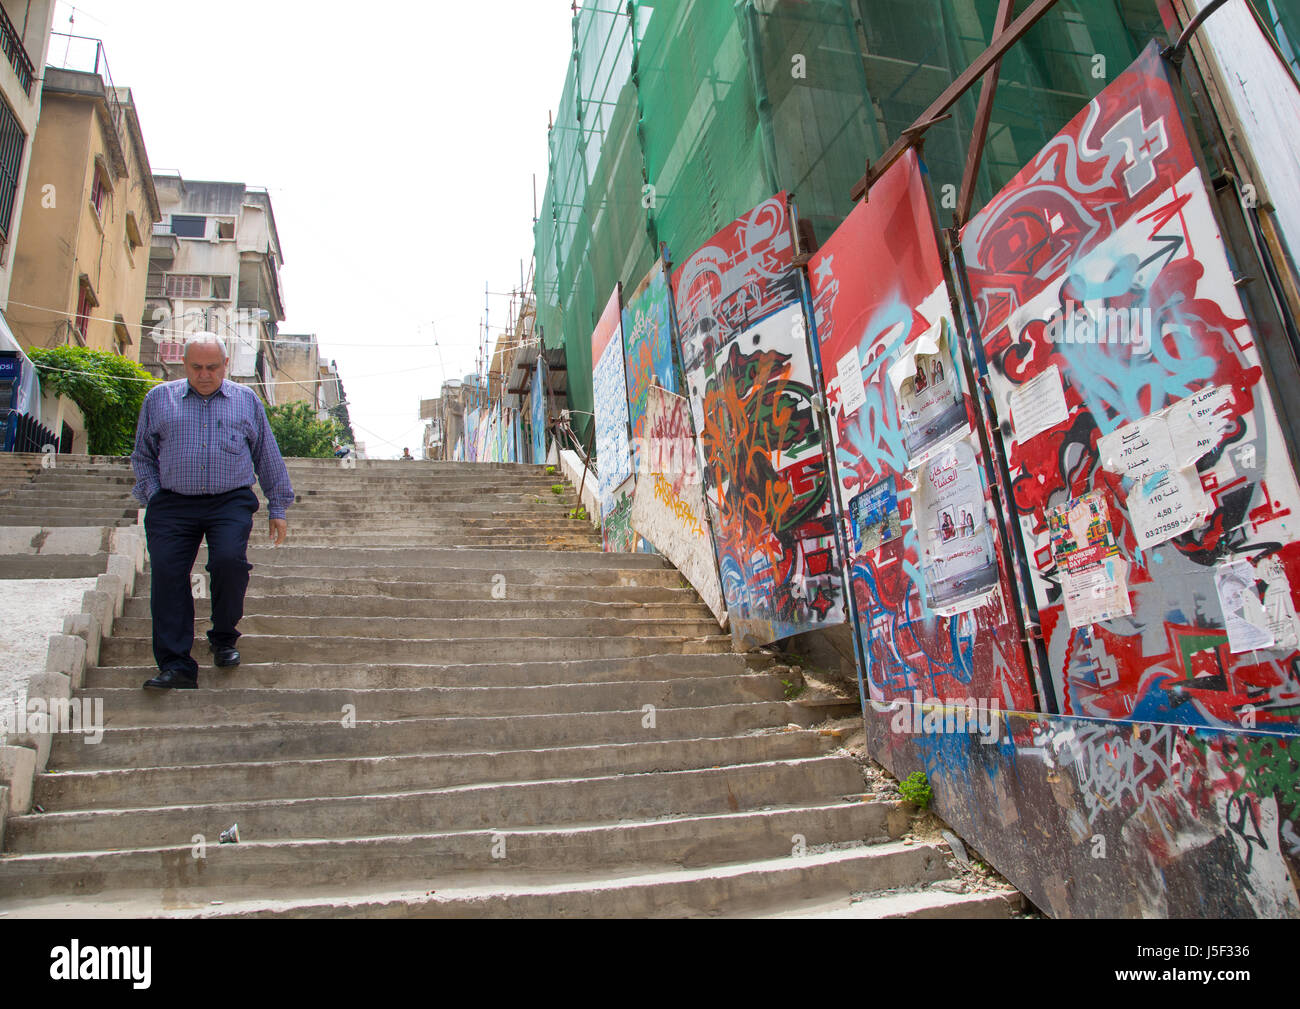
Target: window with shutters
x=86, y=300
x=12, y=142
x=179, y=285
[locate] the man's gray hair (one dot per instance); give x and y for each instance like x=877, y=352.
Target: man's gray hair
x=204, y=340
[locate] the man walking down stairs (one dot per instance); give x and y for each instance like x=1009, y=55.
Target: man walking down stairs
x=449, y=703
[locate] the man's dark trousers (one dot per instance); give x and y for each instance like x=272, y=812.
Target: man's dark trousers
x=175, y=525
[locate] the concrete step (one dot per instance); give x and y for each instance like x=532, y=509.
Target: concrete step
x=446, y=608
x=382, y=675
x=61, y=791
x=127, y=706
x=270, y=574
x=52, y=565
x=497, y=805
x=427, y=559
x=325, y=650
x=923, y=903
x=437, y=627
x=161, y=746
x=228, y=872
x=469, y=586
x=651, y=892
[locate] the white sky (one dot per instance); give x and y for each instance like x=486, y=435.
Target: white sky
x=398, y=142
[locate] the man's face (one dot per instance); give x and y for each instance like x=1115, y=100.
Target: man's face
x=205, y=366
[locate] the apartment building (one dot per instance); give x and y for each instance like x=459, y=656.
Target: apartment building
x=80, y=266
x=24, y=40
x=214, y=266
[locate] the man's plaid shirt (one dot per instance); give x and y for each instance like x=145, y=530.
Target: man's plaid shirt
x=191, y=445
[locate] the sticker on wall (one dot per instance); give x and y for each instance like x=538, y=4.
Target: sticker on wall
x=874, y=516
x=1094, y=577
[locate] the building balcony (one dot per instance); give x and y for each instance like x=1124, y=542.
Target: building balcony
x=11, y=43
x=162, y=247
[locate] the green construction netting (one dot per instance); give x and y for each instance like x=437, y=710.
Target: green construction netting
x=718, y=104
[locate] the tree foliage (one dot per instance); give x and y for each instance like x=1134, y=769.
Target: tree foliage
x=300, y=433
x=108, y=388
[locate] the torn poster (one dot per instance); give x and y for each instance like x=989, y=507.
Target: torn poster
x=1277, y=603
x=1241, y=594
x=958, y=558
x=1156, y=457
x=874, y=516
x=1200, y=422
x=1038, y=405
x=853, y=391
x=1094, y=577
x=930, y=402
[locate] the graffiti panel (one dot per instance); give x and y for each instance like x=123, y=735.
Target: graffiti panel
x=936, y=610
x=609, y=387
x=668, y=508
x=1146, y=820
x=767, y=484
x=742, y=274
x=1122, y=370
x=539, y=412
x=647, y=334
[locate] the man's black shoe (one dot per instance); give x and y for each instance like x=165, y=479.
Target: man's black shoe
x=225, y=657
x=172, y=679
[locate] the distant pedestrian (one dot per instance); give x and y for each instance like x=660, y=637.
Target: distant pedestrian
x=198, y=443
x=406, y=454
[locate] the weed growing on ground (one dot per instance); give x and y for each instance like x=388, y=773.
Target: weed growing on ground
x=916, y=789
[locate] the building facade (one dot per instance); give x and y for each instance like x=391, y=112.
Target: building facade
x=24, y=41
x=80, y=266
x=214, y=266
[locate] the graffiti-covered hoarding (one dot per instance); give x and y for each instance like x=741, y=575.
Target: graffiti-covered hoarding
x=1123, y=373
x=935, y=606
x=647, y=336
x=609, y=388
x=750, y=385
x=668, y=508
x=538, y=415
x=1096, y=818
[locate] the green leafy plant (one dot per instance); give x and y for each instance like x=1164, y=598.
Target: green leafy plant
x=108, y=388
x=792, y=690
x=550, y=471
x=299, y=432
x=579, y=513
x=557, y=488
x=916, y=789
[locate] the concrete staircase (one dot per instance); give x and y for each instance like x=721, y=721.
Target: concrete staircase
x=450, y=704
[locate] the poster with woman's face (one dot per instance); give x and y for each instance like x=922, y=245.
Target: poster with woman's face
x=930, y=402
x=958, y=557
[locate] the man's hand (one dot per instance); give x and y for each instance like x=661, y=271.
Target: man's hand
x=279, y=532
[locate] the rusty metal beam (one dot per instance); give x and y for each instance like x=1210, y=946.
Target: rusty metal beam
x=964, y=82
x=983, y=114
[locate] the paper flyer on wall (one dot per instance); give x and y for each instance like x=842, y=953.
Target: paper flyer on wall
x=1256, y=603
x=1244, y=616
x=1157, y=455
x=958, y=557
x=930, y=402
x=1038, y=405
x=1094, y=577
x=874, y=516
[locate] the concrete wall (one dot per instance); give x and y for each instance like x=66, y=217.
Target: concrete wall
x=298, y=365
